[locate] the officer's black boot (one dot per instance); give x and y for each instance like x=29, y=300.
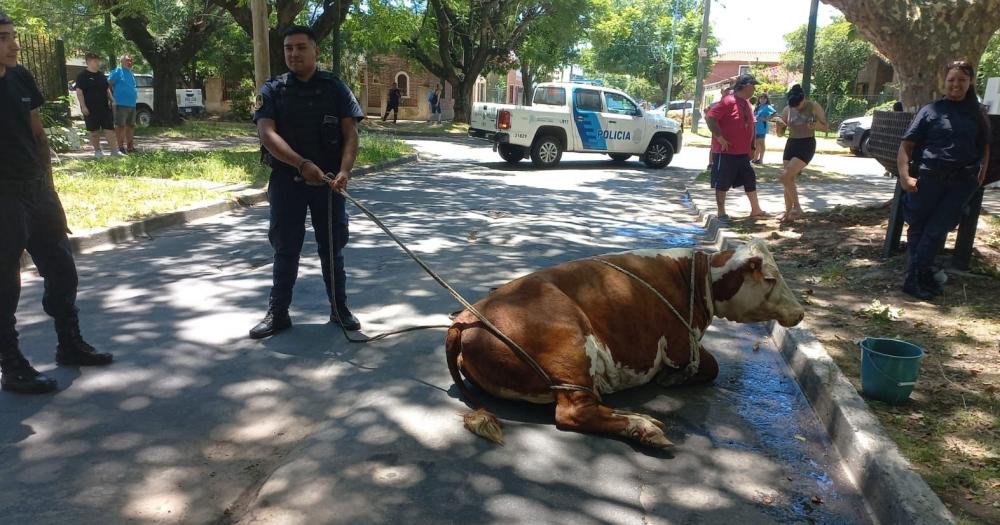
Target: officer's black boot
x=342, y=316
x=275, y=321
x=17, y=375
x=73, y=350
x=912, y=286
x=927, y=281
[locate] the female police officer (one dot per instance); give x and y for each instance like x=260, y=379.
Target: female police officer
x=952, y=135
x=306, y=120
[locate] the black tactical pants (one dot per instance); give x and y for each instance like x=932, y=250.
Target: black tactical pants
x=289, y=202
x=32, y=218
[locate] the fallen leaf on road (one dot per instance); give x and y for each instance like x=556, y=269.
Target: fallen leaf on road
x=817, y=500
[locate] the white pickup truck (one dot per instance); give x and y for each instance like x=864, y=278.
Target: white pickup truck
x=576, y=117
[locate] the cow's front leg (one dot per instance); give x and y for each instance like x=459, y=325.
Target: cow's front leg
x=708, y=368
x=581, y=412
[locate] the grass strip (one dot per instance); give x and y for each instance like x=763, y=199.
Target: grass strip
x=103, y=192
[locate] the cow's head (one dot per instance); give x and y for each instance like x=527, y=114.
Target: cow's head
x=747, y=287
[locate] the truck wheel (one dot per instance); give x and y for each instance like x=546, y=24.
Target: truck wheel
x=659, y=153
x=546, y=152
x=511, y=153
x=619, y=157
x=143, y=118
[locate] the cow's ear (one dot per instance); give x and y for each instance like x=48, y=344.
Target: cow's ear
x=755, y=265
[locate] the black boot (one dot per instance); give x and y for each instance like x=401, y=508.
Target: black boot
x=342, y=316
x=275, y=321
x=925, y=277
x=73, y=350
x=912, y=287
x=17, y=375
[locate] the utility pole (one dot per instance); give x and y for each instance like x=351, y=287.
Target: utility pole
x=673, y=44
x=807, y=67
x=699, y=86
x=335, y=34
x=261, y=48
x=112, y=60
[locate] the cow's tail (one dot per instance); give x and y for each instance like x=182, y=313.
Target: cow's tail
x=480, y=421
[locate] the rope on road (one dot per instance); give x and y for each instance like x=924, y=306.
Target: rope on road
x=518, y=351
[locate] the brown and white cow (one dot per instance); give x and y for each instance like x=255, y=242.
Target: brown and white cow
x=589, y=324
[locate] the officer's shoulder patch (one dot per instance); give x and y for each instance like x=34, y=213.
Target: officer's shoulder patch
x=258, y=102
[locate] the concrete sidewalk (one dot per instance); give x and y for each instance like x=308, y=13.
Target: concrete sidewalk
x=863, y=184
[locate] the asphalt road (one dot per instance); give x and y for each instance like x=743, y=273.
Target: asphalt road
x=195, y=423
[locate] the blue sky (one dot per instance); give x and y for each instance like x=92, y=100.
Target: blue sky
x=759, y=25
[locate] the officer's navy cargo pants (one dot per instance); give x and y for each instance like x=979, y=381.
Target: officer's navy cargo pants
x=933, y=211
x=32, y=218
x=289, y=202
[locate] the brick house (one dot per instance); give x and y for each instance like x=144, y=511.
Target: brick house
x=734, y=63
x=415, y=83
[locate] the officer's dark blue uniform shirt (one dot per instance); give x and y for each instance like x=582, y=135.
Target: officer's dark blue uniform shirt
x=307, y=115
x=19, y=95
x=946, y=133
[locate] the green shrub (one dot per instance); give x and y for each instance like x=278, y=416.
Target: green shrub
x=845, y=107
x=55, y=112
x=242, y=101
x=885, y=106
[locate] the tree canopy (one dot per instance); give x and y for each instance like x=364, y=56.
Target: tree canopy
x=839, y=55
x=919, y=40
x=633, y=37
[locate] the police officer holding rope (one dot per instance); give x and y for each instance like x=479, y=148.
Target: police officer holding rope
x=32, y=219
x=307, y=122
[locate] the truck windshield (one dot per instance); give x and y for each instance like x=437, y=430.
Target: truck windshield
x=552, y=96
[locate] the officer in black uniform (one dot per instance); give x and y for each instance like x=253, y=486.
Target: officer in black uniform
x=307, y=122
x=32, y=218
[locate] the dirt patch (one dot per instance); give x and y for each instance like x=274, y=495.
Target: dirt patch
x=950, y=428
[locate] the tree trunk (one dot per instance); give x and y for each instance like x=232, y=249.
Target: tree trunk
x=463, y=98
x=276, y=52
x=528, y=80
x=165, y=74
x=919, y=42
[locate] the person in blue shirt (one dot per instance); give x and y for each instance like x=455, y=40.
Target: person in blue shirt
x=952, y=138
x=307, y=121
x=125, y=95
x=761, y=114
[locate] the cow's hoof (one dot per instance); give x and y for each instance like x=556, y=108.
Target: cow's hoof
x=651, y=419
x=647, y=431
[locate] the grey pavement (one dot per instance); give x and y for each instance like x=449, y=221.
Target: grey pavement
x=195, y=423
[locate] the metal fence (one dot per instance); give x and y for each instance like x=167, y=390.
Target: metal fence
x=840, y=107
x=46, y=59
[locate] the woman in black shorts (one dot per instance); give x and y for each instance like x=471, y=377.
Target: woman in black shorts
x=802, y=118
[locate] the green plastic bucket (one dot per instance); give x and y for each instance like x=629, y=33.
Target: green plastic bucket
x=889, y=369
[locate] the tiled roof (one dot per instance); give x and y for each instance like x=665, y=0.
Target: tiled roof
x=749, y=57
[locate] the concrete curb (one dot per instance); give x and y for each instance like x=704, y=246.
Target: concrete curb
x=894, y=493
x=143, y=228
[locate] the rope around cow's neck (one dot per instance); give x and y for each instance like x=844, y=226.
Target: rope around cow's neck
x=693, y=340
x=518, y=351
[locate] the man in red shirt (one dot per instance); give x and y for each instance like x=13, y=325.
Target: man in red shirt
x=731, y=122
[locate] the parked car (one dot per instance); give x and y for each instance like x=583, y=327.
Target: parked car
x=144, y=101
x=855, y=134
x=189, y=101
x=576, y=117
